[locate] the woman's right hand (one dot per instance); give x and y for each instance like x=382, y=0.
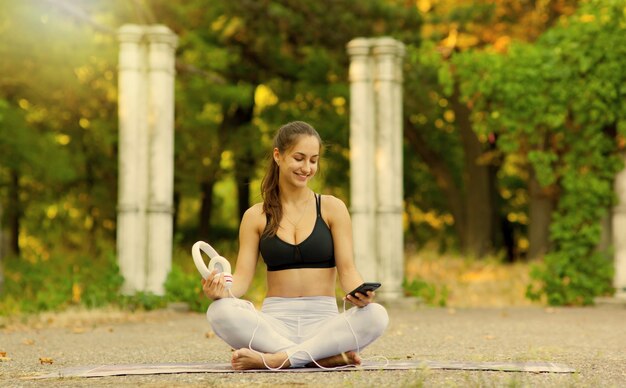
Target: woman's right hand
x=214, y=287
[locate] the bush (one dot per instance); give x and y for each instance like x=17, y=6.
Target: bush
x=89, y=281
x=184, y=287
x=427, y=292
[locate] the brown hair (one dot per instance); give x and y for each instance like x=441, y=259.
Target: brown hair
x=285, y=138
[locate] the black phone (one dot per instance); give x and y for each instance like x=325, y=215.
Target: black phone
x=363, y=288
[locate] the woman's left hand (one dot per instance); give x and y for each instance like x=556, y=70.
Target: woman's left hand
x=361, y=300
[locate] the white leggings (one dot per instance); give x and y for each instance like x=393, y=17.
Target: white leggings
x=305, y=328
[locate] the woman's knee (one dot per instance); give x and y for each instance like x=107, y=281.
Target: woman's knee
x=376, y=318
x=221, y=311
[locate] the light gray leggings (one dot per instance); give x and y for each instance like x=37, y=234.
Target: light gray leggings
x=305, y=328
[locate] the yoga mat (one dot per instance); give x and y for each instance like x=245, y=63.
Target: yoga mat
x=149, y=369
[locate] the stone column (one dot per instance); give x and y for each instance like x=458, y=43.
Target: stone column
x=619, y=234
x=2, y=250
x=388, y=166
x=160, y=208
x=132, y=168
x=146, y=141
x=362, y=141
x=376, y=161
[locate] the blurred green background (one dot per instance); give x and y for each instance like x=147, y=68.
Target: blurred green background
x=514, y=121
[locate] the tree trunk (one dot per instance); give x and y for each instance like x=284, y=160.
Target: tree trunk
x=479, y=208
x=542, y=204
x=1, y=251
x=503, y=230
x=13, y=216
x=176, y=209
x=473, y=207
x=443, y=177
x=241, y=120
x=206, y=208
x=234, y=119
x=243, y=175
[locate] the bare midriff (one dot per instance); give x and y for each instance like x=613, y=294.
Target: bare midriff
x=293, y=283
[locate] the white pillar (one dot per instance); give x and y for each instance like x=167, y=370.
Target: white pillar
x=388, y=166
x=146, y=116
x=132, y=171
x=376, y=161
x=619, y=234
x=362, y=141
x=160, y=208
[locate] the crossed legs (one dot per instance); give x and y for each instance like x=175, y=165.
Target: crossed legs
x=328, y=339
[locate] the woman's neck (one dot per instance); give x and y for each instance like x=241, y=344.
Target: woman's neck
x=295, y=195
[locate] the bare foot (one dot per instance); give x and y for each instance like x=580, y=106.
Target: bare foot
x=343, y=359
x=244, y=359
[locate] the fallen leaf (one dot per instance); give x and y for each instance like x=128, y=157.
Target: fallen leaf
x=490, y=337
x=3, y=354
x=209, y=334
x=45, y=360
x=28, y=341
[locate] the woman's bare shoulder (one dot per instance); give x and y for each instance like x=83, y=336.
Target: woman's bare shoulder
x=255, y=212
x=254, y=217
x=333, y=206
x=256, y=209
x=332, y=201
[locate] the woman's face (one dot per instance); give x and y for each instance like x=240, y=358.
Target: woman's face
x=299, y=163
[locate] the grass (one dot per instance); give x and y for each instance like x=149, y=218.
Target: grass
x=485, y=282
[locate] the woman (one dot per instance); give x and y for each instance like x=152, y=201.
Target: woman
x=306, y=241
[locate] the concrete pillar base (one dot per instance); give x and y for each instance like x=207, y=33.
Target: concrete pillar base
x=617, y=300
x=399, y=302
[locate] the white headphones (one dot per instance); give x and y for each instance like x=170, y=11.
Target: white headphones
x=217, y=262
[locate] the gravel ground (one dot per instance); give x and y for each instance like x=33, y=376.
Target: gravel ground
x=591, y=340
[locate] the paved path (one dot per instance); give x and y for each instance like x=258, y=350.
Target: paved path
x=591, y=340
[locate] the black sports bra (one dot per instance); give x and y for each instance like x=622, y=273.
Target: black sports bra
x=316, y=251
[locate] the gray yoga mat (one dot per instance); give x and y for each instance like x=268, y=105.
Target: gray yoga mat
x=148, y=369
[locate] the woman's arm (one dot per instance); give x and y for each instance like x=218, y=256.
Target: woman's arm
x=340, y=225
x=247, y=258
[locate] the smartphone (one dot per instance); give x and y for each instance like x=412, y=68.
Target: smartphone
x=363, y=288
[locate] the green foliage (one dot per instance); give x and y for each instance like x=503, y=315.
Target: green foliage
x=427, y=82
x=567, y=282
x=260, y=72
x=542, y=162
x=91, y=282
x=429, y=293
x=59, y=282
x=57, y=158
x=142, y=301
x=185, y=287
x=559, y=103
